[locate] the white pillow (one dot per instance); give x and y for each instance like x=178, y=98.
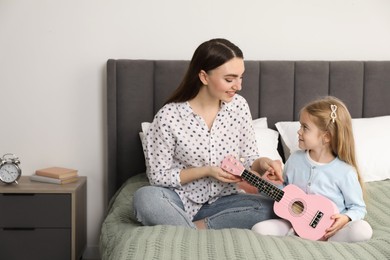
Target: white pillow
x=267, y=139
x=267, y=143
x=289, y=133
x=260, y=122
x=372, y=141
x=142, y=137
x=145, y=126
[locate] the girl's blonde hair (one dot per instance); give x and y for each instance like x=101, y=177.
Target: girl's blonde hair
x=331, y=115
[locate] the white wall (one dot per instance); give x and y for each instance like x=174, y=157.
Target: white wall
x=53, y=55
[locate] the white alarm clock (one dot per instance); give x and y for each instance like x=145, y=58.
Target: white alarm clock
x=10, y=171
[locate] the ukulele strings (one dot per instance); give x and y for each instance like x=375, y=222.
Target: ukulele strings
x=268, y=188
x=276, y=193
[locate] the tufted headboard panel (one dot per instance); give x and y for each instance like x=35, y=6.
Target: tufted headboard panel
x=137, y=89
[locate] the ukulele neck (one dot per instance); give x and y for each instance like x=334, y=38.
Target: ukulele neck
x=269, y=189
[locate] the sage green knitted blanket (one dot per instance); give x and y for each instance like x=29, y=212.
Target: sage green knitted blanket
x=122, y=237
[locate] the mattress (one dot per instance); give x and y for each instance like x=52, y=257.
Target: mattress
x=123, y=237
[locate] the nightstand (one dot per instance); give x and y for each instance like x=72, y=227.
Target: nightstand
x=43, y=221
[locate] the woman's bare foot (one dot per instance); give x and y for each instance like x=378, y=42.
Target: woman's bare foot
x=200, y=224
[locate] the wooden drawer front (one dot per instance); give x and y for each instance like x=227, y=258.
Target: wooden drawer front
x=35, y=210
x=39, y=244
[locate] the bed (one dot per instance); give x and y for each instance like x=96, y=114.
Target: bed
x=275, y=91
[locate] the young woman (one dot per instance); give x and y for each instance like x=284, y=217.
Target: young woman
x=327, y=166
x=202, y=122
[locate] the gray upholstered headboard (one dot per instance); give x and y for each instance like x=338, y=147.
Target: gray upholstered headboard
x=136, y=89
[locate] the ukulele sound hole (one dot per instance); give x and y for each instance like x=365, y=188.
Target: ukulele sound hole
x=297, y=207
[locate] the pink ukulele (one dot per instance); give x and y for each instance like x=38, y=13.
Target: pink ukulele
x=309, y=214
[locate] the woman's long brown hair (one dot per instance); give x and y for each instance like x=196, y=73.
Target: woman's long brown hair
x=208, y=56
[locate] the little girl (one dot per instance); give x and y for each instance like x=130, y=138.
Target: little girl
x=326, y=166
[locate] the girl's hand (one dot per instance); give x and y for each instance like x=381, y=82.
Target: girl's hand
x=272, y=169
x=340, y=221
x=221, y=175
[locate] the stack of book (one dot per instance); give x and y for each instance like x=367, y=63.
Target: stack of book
x=57, y=175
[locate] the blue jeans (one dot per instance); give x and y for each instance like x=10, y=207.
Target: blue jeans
x=162, y=206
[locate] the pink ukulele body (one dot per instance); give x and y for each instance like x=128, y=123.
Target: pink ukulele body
x=310, y=215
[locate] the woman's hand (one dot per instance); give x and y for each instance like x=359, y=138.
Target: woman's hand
x=195, y=173
x=340, y=221
x=221, y=175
